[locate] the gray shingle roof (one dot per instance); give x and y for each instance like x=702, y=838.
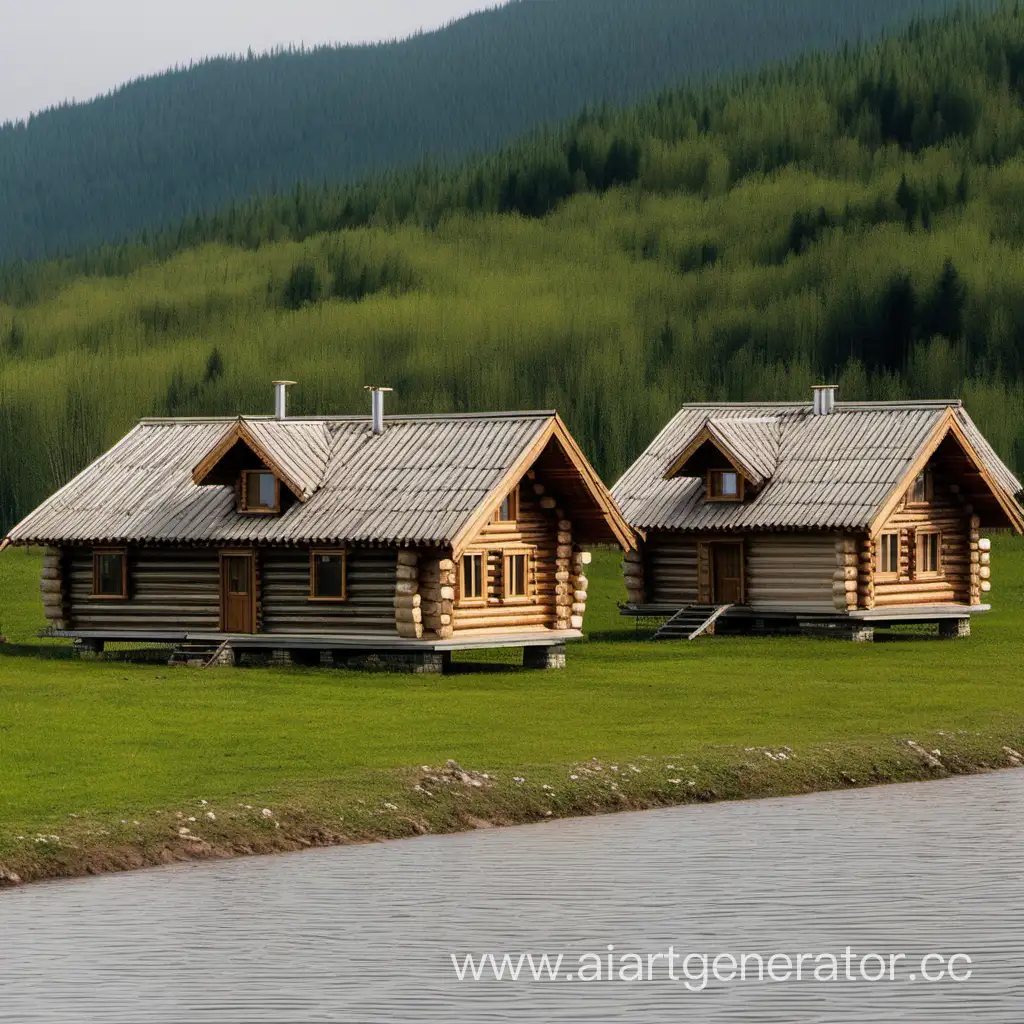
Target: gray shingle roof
x=833, y=472
x=300, y=448
x=754, y=441
x=418, y=483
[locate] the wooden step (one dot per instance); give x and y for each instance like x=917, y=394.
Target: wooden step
x=691, y=622
x=198, y=654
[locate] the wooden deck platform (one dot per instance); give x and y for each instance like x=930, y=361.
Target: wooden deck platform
x=305, y=641
x=921, y=613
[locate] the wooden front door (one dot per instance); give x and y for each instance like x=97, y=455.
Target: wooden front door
x=237, y=593
x=727, y=573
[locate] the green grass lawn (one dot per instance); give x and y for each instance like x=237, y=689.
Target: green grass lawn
x=108, y=741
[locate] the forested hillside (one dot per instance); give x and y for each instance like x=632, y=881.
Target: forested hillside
x=858, y=217
x=194, y=140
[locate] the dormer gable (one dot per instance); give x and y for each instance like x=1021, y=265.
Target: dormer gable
x=735, y=456
x=270, y=463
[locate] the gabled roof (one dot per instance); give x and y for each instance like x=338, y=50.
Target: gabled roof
x=296, y=450
x=833, y=472
x=750, y=444
x=426, y=480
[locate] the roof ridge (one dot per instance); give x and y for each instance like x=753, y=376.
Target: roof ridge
x=743, y=419
x=909, y=403
x=353, y=417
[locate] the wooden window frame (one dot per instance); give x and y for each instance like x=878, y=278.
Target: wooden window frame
x=732, y=498
x=506, y=556
x=880, y=572
x=259, y=510
x=513, y=508
x=328, y=599
x=96, y=554
x=929, y=490
x=479, y=600
x=928, y=574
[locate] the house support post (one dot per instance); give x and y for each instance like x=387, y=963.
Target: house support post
x=225, y=659
x=88, y=650
x=862, y=634
x=280, y=658
x=431, y=663
x=544, y=657
x=954, y=629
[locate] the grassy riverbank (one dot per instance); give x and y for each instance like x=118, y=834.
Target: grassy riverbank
x=104, y=764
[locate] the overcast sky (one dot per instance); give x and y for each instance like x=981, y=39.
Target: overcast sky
x=52, y=50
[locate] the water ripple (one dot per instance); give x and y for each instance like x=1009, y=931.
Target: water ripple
x=362, y=934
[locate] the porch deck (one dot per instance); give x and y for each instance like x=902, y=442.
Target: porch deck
x=327, y=642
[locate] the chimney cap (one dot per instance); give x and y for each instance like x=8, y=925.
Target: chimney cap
x=286, y=383
x=825, y=387
x=376, y=387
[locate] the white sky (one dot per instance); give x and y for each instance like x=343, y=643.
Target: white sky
x=53, y=50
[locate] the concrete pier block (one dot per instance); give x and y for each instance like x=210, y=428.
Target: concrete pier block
x=954, y=629
x=88, y=650
x=544, y=657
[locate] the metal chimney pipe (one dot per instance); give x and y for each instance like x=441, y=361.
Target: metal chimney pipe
x=825, y=399
x=281, y=398
x=376, y=407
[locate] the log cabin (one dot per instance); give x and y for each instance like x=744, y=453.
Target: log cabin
x=349, y=540
x=823, y=517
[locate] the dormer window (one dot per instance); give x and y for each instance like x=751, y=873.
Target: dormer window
x=261, y=492
x=724, y=485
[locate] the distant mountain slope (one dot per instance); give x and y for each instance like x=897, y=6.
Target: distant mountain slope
x=193, y=140
x=857, y=218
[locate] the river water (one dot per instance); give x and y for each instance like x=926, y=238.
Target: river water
x=364, y=934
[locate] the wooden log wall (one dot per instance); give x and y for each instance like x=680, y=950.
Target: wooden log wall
x=408, y=602
x=436, y=580
x=948, y=513
x=981, y=559
x=578, y=587
x=284, y=593
x=168, y=589
x=54, y=588
x=633, y=572
x=866, y=555
x=564, y=589
x=668, y=574
x=845, y=580
x=792, y=572
x=539, y=531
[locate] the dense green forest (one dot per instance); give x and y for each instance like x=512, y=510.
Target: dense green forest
x=194, y=140
x=859, y=216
